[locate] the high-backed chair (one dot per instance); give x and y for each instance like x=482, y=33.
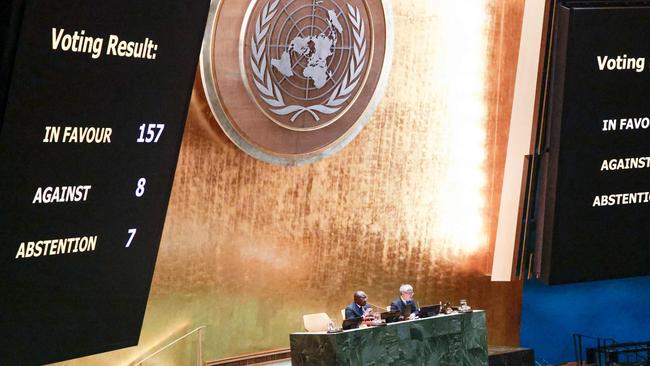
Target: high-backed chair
x=316, y=322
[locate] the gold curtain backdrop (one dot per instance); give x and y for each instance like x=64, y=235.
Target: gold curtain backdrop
x=248, y=247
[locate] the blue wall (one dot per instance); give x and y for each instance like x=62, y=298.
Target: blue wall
x=618, y=309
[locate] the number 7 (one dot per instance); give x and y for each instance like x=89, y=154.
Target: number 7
x=132, y=232
x=160, y=127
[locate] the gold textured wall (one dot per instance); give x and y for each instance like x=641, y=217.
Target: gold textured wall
x=249, y=247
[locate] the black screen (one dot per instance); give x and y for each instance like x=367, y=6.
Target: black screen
x=95, y=111
x=596, y=205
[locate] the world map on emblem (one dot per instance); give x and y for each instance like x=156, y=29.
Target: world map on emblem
x=308, y=59
x=317, y=49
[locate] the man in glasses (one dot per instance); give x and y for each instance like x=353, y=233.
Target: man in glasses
x=405, y=304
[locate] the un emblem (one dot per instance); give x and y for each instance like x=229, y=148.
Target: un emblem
x=307, y=60
x=310, y=73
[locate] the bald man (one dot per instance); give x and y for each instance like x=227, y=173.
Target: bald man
x=359, y=308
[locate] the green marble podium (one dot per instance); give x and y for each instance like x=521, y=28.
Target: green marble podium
x=444, y=340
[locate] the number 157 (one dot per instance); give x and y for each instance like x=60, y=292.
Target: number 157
x=150, y=132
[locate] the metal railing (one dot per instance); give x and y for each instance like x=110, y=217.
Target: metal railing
x=632, y=353
x=607, y=351
x=579, y=346
x=199, y=348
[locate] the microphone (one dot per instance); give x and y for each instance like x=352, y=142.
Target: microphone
x=383, y=308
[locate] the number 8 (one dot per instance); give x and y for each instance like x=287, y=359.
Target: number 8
x=140, y=190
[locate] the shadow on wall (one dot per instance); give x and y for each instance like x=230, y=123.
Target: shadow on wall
x=618, y=309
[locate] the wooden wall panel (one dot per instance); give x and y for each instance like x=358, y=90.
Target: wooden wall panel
x=249, y=247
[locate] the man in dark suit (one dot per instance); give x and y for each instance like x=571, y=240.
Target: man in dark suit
x=359, y=308
x=402, y=303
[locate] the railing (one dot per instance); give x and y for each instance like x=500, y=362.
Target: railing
x=199, y=349
x=592, y=358
x=633, y=353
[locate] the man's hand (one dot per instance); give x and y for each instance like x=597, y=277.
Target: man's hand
x=368, y=315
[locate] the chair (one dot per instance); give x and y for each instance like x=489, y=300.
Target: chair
x=316, y=322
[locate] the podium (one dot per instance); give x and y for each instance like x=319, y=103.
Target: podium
x=444, y=340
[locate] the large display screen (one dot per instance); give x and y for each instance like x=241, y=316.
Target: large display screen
x=89, y=140
x=597, y=163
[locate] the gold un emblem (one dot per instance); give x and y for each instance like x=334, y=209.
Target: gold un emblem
x=293, y=81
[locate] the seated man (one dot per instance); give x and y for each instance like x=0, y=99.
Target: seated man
x=401, y=304
x=359, y=308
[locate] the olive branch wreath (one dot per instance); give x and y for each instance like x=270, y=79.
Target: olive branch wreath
x=271, y=93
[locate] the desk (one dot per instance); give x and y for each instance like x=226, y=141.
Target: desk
x=444, y=340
